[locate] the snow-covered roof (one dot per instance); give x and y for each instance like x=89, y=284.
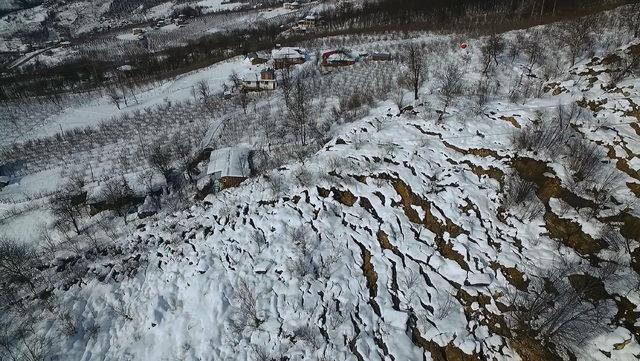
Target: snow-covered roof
x=340, y=57
x=257, y=76
x=229, y=162
x=287, y=53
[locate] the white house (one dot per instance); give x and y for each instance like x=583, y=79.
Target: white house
x=265, y=80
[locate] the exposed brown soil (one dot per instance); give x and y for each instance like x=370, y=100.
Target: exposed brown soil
x=594, y=105
x=345, y=197
x=492, y=172
x=479, y=152
x=531, y=350
x=512, y=121
x=571, y=235
x=513, y=276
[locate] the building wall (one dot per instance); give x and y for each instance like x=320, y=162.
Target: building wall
x=285, y=63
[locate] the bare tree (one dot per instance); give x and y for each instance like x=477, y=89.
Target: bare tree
x=576, y=37
x=67, y=203
x=117, y=194
x=243, y=100
x=450, y=83
x=245, y=308
x=416, y=68
x=491, y=50
x=182, y=144
x=114, y=97
x=624, y=67
x=481, y=97
x=545, y=136
x=19, y=339
x=299, y=109
x=286, y=84
x=160, y=159
x=236, y=81
x=17, y=261
x=146, y=179
x=533, y=50
x=202, y=88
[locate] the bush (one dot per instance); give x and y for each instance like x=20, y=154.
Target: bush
x=518, y=191
x=521, y=195
x=543, y=136
x=584, y=159
x=561, y=310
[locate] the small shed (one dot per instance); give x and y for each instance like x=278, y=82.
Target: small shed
x=378, y=56
x=228, y=167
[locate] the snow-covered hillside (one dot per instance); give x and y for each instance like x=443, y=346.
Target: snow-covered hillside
x=393, y=242
x=494, y=217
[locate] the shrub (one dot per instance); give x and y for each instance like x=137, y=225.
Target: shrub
x=543, y=136
x=584, y=159
x=560, y=312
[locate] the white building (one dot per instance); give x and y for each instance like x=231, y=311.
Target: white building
x=265, y=80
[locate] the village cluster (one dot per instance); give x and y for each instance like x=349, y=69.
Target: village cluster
x=281, y=58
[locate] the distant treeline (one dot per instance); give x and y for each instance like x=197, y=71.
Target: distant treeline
x=470, y=14
x=483, y=16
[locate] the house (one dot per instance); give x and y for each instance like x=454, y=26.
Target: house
x=138, y=31
x=228, y=167
x=337, y=58
x=257, y=58
x=308, y=21
x=284, y=57
x=291, y=6
x=380, y=56
x=265, y=80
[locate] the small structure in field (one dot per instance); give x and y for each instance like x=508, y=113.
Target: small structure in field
x=337, y=58
x=377, y=56
x=265, y=80
x=308, y=21
x=138, y=31
x=228, y=167
x=257, y=58
x=284, y=57
x=291, y=5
